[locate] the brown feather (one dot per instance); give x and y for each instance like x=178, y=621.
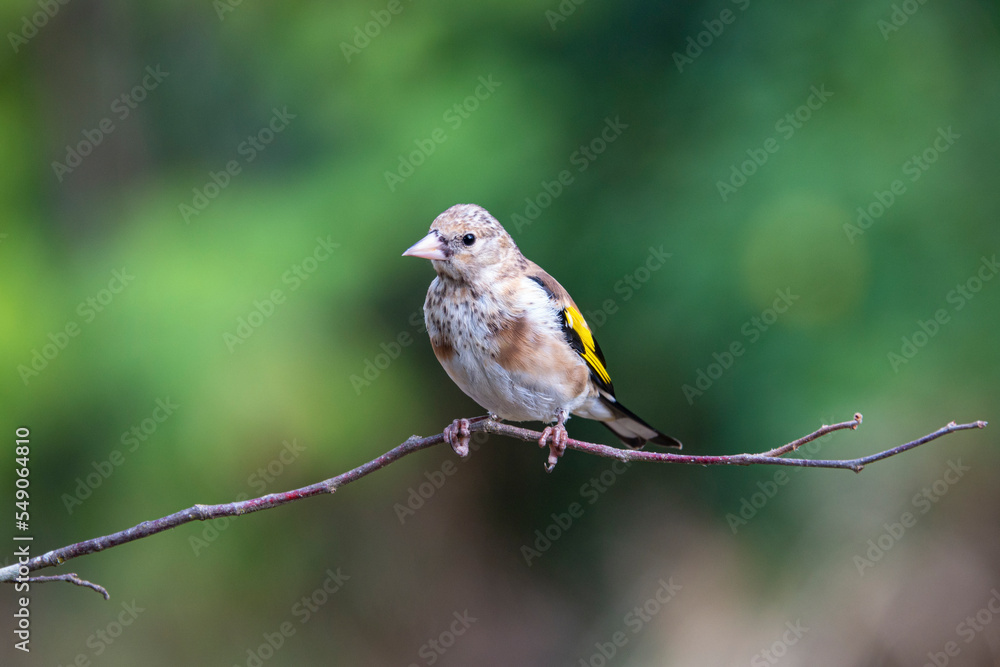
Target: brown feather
x=514, y=345
x=442, y=350
x=520, y=350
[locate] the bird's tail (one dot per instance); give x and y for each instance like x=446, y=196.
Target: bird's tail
x=631, y=429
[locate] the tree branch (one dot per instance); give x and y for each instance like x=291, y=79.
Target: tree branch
x=19, y=572
x=73, y=578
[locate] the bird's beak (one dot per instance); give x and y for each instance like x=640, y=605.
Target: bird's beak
x=431, y=246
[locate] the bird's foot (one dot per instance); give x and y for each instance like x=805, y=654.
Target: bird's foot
x=457, y=435
x=556, y=437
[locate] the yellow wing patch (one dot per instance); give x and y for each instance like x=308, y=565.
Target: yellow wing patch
x=586, y=347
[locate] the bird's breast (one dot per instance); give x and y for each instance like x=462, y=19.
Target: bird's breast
x=512, y=359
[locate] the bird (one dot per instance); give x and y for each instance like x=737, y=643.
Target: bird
x=511, y=337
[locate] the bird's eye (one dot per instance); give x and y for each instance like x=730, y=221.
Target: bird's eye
x=469, y=239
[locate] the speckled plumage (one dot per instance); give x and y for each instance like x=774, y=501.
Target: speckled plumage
x=502, y=328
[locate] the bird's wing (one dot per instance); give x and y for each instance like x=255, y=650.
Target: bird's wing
x=575, y=328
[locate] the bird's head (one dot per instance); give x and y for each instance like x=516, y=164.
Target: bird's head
x=468, y=244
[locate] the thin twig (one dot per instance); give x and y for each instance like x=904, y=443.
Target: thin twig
x=734, y=459
x=416, y=443
x=819, y=433
x=72, y=578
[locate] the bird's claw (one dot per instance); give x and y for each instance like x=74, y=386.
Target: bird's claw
x=556, y=437
x=457, y=435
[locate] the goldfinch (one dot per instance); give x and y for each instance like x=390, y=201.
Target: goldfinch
x=510, y=336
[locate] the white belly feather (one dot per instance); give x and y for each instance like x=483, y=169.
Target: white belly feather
x=533, y=395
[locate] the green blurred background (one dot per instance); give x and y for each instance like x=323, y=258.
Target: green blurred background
x=842, y=99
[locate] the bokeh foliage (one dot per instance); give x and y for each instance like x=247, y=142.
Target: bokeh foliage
x=322, y=179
